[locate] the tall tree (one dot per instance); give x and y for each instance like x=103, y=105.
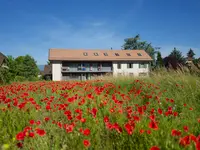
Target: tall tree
x=178, y=56
x=159, y=60
x=26, y=66
x=191, y=53
x=134, y=43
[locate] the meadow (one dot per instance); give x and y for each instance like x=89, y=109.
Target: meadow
x=160, y=112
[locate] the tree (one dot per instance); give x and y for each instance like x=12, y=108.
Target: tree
x=191, y=54
x=26, y=66
x=159, y=60
x=135, y=44
x=178, y=56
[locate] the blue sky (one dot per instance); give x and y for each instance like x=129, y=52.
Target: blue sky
x=34, y=26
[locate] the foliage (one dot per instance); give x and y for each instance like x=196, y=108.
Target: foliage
x=178, y=55
x=134, y=43
x=159, y=60
x=191, y=53
x=102, y=114
x=26, y=66
x=22, y=68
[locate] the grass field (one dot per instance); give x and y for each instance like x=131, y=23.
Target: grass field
x=161, y=112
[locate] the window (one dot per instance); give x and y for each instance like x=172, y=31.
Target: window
x=139, y=54
x=96, y=54
x=85, y=54
x=118, y=66
x=129, y=65
x=105, y=54
x=116, y=54
x=142, y=65
x=128, y=54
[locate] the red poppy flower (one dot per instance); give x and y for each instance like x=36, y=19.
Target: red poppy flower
x=106, y=119
x=129, y=128
x=86, y=132
x=186, y=128
x=31, y=134
x=175, y=132
x=40, y=132
x=159, y=111
x=31, y=122
x=154, y=148
x=175, y=114
x=46, y=119
x=19, y=145
x=142, y=131
x=38, y=122
x=148, y=131
x=185, y=141
x=153, y=125
x=20, y=136
x=86, y=143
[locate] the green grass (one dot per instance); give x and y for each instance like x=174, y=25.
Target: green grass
x=182, y=88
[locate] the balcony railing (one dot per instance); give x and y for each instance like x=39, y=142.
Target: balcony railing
x=86, y=69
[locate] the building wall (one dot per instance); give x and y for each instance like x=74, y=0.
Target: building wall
x=56, y=71
x=127, y=71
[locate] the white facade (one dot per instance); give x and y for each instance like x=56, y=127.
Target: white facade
x=134, y=71
x=56, y=71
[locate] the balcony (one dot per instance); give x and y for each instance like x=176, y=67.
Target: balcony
x=86, y=69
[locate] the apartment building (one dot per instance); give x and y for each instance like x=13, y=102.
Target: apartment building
x=68, y=64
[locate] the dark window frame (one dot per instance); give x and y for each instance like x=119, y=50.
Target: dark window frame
x=96, y=54
x=129, y=65
x=105, y=54
x=139, y=54
x=85, y=54
x=128, y=54
x=119, y=66
x=116, y=54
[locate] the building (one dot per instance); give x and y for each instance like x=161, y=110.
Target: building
x=86, y=64
x=3, y=60
x=47, y=72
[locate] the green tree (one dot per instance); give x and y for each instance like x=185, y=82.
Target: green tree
x=191, y=53
x=26, y=66
x=159, y=60
x=178, y=56
x=134, y=43
x=11, y=63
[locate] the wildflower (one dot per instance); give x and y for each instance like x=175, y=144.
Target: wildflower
x=142, y=131
x=175, y=132
x=20, y=136
x=154, y=148
x=86, y=143
x=31, y=134
x=106, y=119
x=46, y=119
x=31, y=122
x=40, y=132
x=153, y=125
x=86, y=132
x=186, y=128
x=159, y=111
x=185, y=141
x=19, y=145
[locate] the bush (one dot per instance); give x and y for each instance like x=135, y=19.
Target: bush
x=20, y=79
